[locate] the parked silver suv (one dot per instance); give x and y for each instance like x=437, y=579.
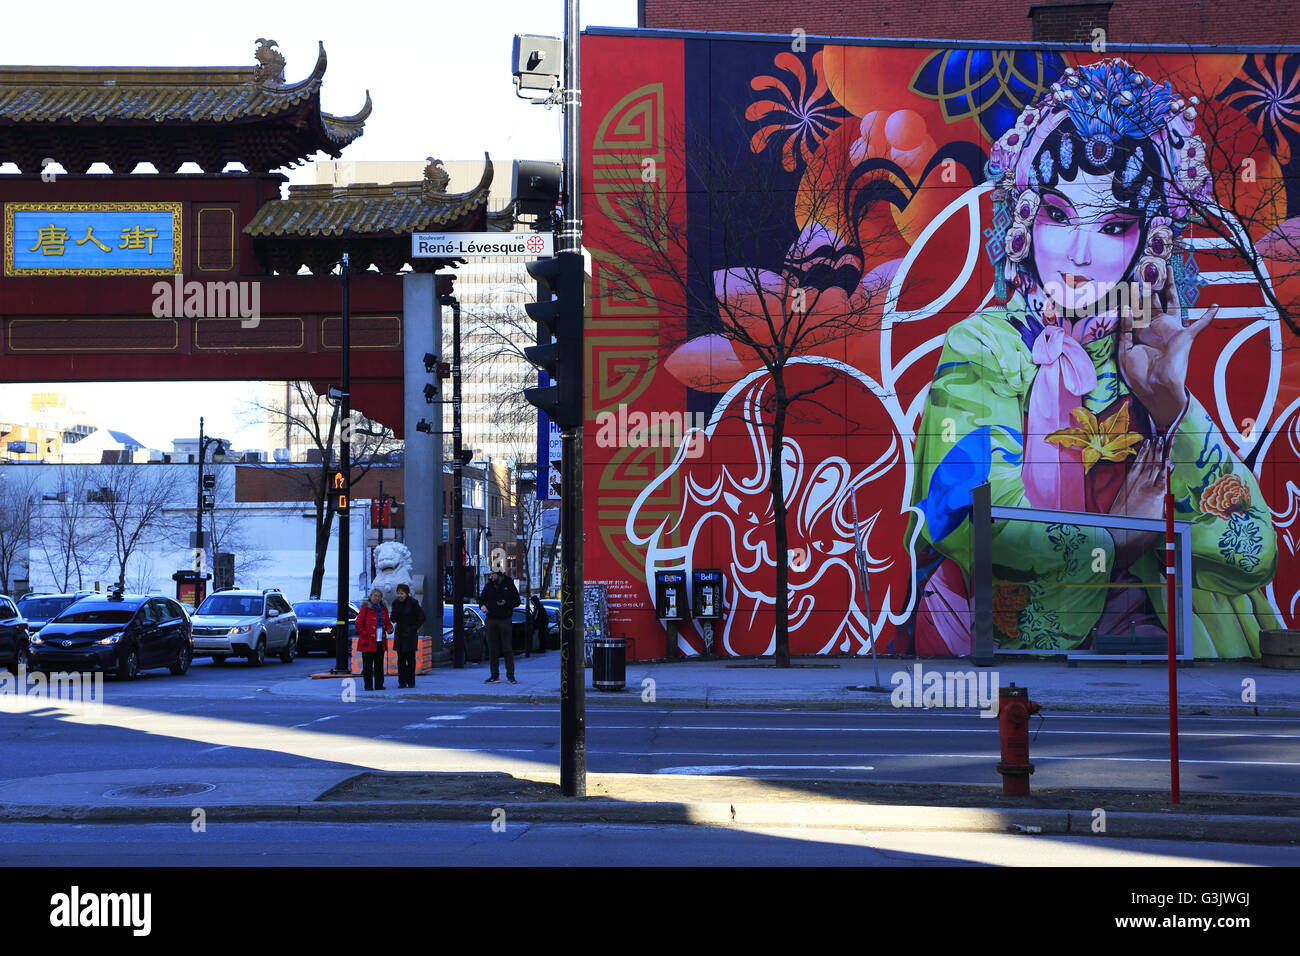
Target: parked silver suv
x=249, y=624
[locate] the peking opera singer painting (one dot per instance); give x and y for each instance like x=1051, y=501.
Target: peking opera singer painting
x=1014, y=204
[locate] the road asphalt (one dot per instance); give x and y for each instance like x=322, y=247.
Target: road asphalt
x=1222, y=688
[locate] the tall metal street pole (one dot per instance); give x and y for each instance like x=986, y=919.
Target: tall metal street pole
x=573, y=720
x=457, y=493
x=343, y=483
x=198, y=510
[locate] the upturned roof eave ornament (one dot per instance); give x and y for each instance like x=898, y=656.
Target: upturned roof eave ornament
x=436, y=178
x=270, y=63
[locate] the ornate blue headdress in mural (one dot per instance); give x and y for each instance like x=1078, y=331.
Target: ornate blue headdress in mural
x=1106, y=117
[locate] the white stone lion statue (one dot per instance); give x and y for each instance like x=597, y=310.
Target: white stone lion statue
x=393, y=566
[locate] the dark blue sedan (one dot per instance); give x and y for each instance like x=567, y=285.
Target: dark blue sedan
x=316, y=621
x=121, y=634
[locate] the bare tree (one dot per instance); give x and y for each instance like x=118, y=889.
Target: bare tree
x=17, y=491
x=1231, y=176
x=312, y=417
x=133, y=506
x=816, y=297
x=229, y=527
x=63, y=528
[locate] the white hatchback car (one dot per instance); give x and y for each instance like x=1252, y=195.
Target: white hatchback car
x=248, y=624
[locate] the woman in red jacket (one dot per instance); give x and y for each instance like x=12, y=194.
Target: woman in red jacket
x=373, y=625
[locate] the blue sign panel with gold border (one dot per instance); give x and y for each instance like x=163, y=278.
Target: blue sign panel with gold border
x=92, y=239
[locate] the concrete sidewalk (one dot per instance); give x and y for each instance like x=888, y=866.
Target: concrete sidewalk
x=331, y=795
x=1226, y=688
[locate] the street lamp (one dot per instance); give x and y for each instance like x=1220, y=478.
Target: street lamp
x=206, y=483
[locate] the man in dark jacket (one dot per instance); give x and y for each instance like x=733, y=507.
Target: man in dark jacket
x=498, y=599
x=407, y=616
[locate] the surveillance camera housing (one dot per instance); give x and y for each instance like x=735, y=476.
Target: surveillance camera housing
x=536, y=62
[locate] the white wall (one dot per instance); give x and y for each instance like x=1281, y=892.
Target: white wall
x=277, y=534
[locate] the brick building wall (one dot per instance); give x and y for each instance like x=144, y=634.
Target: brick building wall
x=1267, y=22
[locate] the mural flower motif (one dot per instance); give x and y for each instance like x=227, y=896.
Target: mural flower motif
x=1227, y=496
x=991, y=85
x=1241, y=543
x=1099, y=441
x=1268, y=93
x=1008, y=601
x=793, y=113
x=722, y=516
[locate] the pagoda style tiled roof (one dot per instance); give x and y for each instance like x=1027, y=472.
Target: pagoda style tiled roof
x=367, y=219
x=366, y=209
x=168, y=116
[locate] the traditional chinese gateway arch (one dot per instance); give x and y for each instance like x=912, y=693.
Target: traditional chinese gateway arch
x=84, y=254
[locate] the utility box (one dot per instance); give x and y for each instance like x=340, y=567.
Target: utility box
x=670, y=595
x=706, y=594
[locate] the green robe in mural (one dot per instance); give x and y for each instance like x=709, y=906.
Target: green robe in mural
x=1052, y=581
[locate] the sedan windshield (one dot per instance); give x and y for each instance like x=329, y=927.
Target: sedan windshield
x=315, y=609
x=98, y=615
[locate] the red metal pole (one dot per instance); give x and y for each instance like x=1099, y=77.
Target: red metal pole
x=1171, y=615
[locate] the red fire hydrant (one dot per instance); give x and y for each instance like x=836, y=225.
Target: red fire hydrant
x=1014, y=710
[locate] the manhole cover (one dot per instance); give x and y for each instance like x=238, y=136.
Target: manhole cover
x=1111, y=683
x=162, y=790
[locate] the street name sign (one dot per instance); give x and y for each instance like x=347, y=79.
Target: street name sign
x=465, y=245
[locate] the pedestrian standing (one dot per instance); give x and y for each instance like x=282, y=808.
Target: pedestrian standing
x=540, y=622
x=498, y=599
x=407, y=618
x=373, y=625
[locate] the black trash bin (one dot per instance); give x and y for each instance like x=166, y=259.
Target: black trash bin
x=608, y=663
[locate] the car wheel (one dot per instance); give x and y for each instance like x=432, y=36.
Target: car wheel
x=290, y=649
x=129, y=668
x=258, y=655
x=218, y=659
x=21, y=661
x=183, y=658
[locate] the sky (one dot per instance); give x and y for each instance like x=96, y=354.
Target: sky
x=438, y=73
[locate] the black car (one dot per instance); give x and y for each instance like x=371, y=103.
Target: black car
x=40, y=609
x=475, y=632
x=14, y=636
x=316, y=621
x=121, y=634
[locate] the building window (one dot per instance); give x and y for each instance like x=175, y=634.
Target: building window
x=1070, y=22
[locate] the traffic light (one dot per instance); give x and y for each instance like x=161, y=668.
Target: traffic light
x=559, y=308
x=209, y=482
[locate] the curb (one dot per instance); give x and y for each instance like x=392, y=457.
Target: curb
x=1206, y=827
x=868, y=701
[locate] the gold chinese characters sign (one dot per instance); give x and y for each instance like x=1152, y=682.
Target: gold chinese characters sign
x=92, y=239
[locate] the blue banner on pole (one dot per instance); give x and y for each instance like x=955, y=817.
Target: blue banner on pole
x=548, y=450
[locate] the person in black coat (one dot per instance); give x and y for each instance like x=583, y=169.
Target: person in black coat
x=407, y=616
x=539, y=621
x=499, y=598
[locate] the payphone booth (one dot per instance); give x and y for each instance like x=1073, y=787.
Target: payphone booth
x=670, y=605
x=706, y=602
x=191, y=587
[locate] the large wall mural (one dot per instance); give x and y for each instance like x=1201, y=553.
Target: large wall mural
x=1041, y=302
